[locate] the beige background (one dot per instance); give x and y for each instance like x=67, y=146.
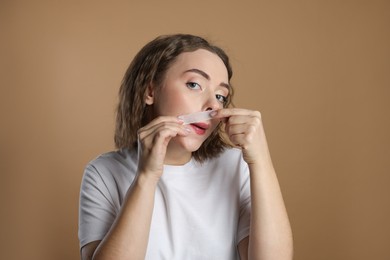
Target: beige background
x=317, y=70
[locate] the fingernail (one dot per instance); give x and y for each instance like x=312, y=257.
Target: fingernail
x=188, y=130
x=213, y=113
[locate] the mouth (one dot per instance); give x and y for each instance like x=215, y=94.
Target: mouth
x=200, y=128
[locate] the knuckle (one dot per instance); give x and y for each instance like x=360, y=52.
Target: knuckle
x=254, y=124
x=257, y=114
x=248, y=138
x=161, y=133
x=252, y=128
x=140, y=134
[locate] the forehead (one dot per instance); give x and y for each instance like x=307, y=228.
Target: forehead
x=203, y=60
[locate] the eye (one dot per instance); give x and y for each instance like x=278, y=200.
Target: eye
x=193, y=85
x=221, y=98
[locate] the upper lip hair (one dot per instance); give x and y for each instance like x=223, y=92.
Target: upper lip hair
x=201, y=125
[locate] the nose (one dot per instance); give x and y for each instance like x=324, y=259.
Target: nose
x=212, y=103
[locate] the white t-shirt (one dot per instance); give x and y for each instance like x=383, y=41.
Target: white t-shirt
x=201, y=211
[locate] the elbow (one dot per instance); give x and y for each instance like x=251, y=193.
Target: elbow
x=278, y=249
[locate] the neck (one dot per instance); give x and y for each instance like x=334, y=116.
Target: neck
x=176, y=155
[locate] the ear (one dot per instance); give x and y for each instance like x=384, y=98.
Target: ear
x=149, y=95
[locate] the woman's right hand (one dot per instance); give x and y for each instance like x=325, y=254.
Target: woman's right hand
x=153, y=140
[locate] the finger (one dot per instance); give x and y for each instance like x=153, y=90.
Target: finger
x=157, y=142
x=162, y=131
x=233, y=115
x=243, y=140
x=243, y=120
x=234, y=120
x=162, y=119
x=235, y=129
x=145, y=131
x=163, y=137
x=228, y=112
x=237, y=140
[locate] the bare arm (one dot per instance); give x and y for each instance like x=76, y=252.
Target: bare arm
x=270, y=232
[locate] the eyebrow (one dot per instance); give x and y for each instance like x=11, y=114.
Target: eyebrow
x=206, y=76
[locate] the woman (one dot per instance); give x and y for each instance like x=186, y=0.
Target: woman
x=176, y=190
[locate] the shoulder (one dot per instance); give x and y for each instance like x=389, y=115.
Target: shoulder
x=114, y=159
x=114, y=164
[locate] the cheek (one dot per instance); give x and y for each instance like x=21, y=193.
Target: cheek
x=178, y=100
x=173, y=103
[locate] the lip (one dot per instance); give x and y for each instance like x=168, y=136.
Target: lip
x=200, y=128
x=205, y=126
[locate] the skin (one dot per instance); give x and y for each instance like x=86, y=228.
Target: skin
x=187, y=90
x=197, y=81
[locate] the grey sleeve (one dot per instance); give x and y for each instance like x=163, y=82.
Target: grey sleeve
x=97, y=210
x=245, y=204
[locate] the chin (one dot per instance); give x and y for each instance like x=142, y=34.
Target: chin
x=189, y=144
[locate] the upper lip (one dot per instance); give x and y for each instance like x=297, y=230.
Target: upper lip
x=201, y=125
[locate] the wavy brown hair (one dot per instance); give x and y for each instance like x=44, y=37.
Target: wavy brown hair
x=148, y=68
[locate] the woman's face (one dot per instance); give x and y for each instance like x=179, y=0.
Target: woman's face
x=197, y=81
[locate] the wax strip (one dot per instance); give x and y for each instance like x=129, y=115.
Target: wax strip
x=196, y=117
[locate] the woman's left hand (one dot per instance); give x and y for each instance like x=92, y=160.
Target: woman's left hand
x=245, y=130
